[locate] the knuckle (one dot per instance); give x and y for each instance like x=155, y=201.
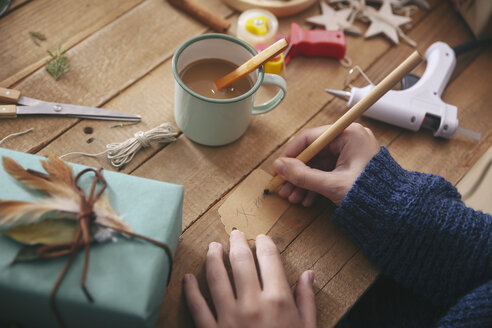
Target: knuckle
x=369, y=131
x=240, y=254
x=214, y=255
x=228, y=323
x=278, y=301
x=356, y=126
x=250, y=312
x=267, y=250
x=298, y=178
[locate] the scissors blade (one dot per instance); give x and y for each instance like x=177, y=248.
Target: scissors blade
x=38, y=107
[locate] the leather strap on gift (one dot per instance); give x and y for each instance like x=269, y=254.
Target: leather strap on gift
x=82, y=238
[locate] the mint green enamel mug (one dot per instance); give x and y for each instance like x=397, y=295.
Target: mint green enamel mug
x=216, y=122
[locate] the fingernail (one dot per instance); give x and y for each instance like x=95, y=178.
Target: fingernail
x=260, y=236
x=213, y=245
x=310, y=276
x=187, y=277
x=279, y=166
x=236, y=233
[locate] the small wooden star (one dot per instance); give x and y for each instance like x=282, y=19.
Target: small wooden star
x=385, y=22
x=334, y=19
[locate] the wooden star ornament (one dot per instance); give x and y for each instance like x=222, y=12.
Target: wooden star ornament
x=335, y=19
x=385, y=22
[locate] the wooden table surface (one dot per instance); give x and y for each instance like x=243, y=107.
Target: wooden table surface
x=120, y=55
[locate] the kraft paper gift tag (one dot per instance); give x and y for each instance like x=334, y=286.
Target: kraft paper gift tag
x=247, y=209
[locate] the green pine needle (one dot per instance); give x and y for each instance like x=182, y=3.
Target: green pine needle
x=57, y=66
x=36, y=37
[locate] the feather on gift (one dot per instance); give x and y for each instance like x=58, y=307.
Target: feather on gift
x=62, y=201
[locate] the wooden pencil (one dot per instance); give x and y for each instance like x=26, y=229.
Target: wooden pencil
x=351, y=115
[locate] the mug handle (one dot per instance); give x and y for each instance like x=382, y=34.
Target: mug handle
x=272, y=79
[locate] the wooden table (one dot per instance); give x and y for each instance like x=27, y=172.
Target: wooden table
x=120, y=55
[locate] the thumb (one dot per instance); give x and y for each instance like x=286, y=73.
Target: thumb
x=305, y=299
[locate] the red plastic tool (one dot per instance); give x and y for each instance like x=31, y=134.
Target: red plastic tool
x=315, y=43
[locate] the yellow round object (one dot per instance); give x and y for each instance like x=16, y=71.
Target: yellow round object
x=257, y=25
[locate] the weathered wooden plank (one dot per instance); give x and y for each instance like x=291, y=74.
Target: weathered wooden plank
x=294, y=221
x=92, y=136
x=341, y=292
x=103, y=65
x=66, y=22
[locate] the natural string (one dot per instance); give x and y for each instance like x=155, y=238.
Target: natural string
x=16, y=134
x=122, y=153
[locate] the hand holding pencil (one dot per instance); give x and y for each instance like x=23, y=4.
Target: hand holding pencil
x=332, y=172
x=351, y=115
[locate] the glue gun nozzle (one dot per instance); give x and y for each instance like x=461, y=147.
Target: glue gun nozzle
x=345, y=95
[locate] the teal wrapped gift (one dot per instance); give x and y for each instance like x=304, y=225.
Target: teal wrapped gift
x=126, y=278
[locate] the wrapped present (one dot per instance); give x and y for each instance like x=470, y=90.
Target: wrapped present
x=478, y=15
x=127, y=278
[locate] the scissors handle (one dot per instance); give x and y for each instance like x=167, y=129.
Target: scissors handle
x=9, y=95
x=8, y=111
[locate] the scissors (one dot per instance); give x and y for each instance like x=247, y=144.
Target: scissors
x=18, y=105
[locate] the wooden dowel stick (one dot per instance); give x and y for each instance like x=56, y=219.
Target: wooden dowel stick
x=252, y=64
x=206, y=16
x=351, y=115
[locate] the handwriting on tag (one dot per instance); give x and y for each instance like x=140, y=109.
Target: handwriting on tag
x=249, y=210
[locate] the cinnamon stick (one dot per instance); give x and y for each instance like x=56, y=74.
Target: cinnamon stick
x=209, y=18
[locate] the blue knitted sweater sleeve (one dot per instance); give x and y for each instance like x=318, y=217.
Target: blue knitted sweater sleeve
x=417, y=230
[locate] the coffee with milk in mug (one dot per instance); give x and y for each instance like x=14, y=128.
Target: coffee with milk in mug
x=200, y=75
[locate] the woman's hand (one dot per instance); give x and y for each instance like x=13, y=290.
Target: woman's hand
x=268, y=303
x=332, y=172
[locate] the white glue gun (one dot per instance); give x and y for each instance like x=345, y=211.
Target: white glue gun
x=420, y=105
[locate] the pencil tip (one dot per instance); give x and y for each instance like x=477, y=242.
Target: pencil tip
x=266, y=192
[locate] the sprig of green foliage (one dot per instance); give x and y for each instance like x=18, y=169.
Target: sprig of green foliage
x=36, y=37
x=57, y=66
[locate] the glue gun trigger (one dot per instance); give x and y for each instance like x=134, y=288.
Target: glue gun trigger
x=409, y=81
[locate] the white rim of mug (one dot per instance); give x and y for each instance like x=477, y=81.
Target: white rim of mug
x=216, y=36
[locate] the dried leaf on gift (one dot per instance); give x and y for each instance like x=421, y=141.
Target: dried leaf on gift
x=63, y=200
x=26, y=253
x=49, y=231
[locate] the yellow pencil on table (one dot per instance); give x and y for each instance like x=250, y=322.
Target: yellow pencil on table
x=351, y=115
